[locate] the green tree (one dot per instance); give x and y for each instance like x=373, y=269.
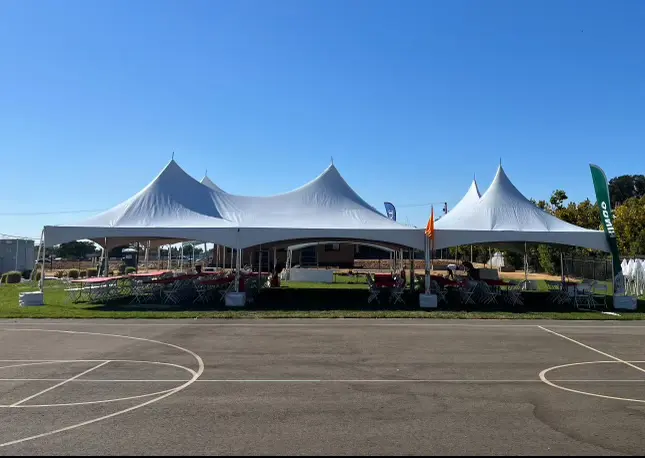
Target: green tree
x=75, y=250
x=629, y=224
x=625, y=187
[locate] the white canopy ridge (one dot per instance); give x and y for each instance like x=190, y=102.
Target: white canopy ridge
x=471, y=197
x=503, y=214
x=173, y=205
x=210, y=184
x=176, y=207
x=325, y=208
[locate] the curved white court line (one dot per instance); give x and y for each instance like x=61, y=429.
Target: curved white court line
x=196, y=375
x=78, y=379
x=542, y=376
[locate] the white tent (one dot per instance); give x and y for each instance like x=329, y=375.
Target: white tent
x=470, y=198
x=503, y=214
x=174, y=206
x=210, y=184
x=325, y=208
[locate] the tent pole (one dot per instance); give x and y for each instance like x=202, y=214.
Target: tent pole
x=562, y=268
x=526, y=265
x=275, y=258
x=471, y=254
x=107, y=258
x=17, y=247
x=411, y=254
x=426, y=258
x=42, y=274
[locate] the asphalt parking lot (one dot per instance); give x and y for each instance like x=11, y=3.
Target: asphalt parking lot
x=321, y=387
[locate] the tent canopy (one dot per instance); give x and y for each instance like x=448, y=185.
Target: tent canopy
x=503, y=214
x=210, y=184
x=175, y=206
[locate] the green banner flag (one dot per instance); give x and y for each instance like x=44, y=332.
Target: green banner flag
x=607, y=217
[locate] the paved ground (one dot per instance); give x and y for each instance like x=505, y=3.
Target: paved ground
x=321, y=387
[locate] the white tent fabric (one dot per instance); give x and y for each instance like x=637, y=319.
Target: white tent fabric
x=176, y=206
x=209, y=184
x=325, y=208
x=470, y=198
x=503, y=214
x=173, y=206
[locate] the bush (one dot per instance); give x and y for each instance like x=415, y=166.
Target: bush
x=12, y=277
x=73, y=274
x=59, y=274
x=26, y=274
x=83, y=273
x=130, y=270
x=92, y=272
x=121, y=268
x=37, y=276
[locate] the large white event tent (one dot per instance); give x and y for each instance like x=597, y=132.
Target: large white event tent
x=175, y=207
x=504, y=215
x=209, y=184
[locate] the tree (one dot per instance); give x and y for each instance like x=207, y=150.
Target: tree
x=558, y=197
x=629, y=224
x=625, y=187
x=75, y=250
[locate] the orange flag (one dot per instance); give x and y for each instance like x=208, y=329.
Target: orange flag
x=430, y=226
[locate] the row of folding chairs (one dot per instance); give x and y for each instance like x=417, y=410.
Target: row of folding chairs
x=396, y=292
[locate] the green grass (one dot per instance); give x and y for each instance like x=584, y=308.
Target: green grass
x=57, y=307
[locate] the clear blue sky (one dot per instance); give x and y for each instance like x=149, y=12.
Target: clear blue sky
x=409, y=97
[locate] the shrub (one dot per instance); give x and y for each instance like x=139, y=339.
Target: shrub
x=26, y=274
x=116, y=273
x=92, y=272
x=83, y=273
x=37, y=276
x=3, y=278
x=59, y=274
x=73, y=274
x=12, y=277
x=121, y=268
x=130, y=270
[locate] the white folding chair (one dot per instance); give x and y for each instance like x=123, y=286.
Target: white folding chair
x=396, y=293
x=74, y=294
x=514, y=294
x=374, y=291
x=441, y=293
x=467, y=291
x=583, y=296
x=599, y=295
x=202, y=292
x=171, y=292
x=489, y=293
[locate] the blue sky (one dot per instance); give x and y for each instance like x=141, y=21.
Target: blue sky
x=411, y=98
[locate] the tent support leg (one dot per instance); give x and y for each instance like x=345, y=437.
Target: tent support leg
x=106, y=255
x=275, y=258
x=42, y=273
x=426, y=258
x=411, y=255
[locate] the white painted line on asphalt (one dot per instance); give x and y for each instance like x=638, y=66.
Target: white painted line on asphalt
x=457, y=381
x=59, y=384
x=615, y=358
x=196, y=375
